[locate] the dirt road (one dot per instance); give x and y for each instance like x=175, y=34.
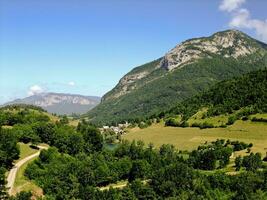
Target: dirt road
x=13, y=172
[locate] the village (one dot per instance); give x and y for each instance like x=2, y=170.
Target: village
x=112, y=134
x=119, y=129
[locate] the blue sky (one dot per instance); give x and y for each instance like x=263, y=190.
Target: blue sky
x=85, y=47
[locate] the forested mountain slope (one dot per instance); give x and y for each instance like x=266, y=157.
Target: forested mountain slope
x=247, y=91
x=189, y=68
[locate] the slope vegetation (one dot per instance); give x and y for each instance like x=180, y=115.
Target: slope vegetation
x=247, y=93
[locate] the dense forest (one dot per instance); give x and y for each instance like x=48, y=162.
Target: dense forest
x=246, y=94
x=9, y=151
x=150, y=173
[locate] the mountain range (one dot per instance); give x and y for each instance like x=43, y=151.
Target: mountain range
x=60, y=103
x=189, y=68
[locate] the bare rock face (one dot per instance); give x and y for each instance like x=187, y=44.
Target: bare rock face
x=133, y=77
x=60, y=103
x=227, y=44
x=49, y=99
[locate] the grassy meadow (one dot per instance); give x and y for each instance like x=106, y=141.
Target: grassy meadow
x=190, y=138
x=25, y=150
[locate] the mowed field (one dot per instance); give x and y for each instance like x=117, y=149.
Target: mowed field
x=191, y=138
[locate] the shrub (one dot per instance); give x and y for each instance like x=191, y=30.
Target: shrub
x=252, y=162
x=206, y=125
x=172, y=122
x=184, y=124
x=255, y=119
x=223, y=126
x=231, y=120
x=238, y=146
x=195, y=124
x=265, y=159
x=143, y=125
x=245, y=118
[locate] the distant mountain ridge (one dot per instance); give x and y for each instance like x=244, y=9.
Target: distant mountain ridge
x=187, y=69
x=60, y=103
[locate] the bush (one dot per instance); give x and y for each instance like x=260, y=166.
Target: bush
x=231, y=120
x=238, y=146
x=238, y=163
x=255, y=119
x=223, y=126
x=252, y=162
x=172, y=122
x=23, y=196
x=195, y=124
x=184, y=124
x=143, y=125
x=265, y=159
x=206, y=125
x=245, y=118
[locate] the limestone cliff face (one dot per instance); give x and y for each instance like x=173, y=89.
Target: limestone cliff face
x=231, y=43
x=227, y=44
x=61, y=103
x=49, y=99
x=127, y=83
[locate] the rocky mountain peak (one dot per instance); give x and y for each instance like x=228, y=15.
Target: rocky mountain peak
x=230, y=43
x=225, y=45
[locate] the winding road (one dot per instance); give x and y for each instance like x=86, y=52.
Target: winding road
x=13, y=172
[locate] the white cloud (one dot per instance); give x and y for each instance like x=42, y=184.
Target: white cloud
x=71, y=83
x=231, y=5
x=241, y=18
x=35, y=89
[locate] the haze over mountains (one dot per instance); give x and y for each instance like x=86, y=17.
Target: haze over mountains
x=60, y=103
x=187, y=69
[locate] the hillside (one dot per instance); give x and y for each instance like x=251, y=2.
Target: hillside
x=248, y=92
x=234, y=109
x=60, y=103
x=189, y=68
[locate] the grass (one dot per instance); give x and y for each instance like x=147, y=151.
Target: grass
x=118, y=185
x=191, y=138
x=7, y=127
x=25, y=150
x=74, y=122
x=22, y=183
x=216, y=120
x=259, y=115
x=53, y=118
